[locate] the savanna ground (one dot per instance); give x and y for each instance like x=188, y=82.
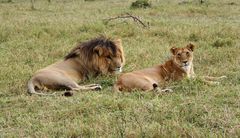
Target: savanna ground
x=31, y=39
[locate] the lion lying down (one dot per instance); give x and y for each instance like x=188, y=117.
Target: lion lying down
x=178, y=67
x=91, y=58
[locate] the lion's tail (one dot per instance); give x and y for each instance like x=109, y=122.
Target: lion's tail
x=31, y=88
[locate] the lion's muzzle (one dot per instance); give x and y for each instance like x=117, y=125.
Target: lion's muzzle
x=117, y=70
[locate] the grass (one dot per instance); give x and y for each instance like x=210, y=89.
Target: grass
x=32, y=39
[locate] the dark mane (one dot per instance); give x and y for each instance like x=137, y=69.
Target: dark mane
x=85, y=49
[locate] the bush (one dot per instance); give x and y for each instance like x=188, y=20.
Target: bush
x=222, y=42
x=141, y=4
x=193, y=37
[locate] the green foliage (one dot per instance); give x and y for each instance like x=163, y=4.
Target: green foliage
x=33, y=5
x=227, y=42
x=6, y=1
x=4, y=35
x=141, y=4
x=193, y=37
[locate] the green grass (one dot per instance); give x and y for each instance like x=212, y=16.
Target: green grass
x=32, y=39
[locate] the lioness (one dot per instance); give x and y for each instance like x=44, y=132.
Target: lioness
x=97, y=56
x=179, y=66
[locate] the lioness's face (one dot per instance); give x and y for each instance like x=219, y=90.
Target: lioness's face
x=110, y=62
x=183, y=57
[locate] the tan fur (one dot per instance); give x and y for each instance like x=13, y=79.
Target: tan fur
x=171, y=70
x=178, y=67
x=91, y=58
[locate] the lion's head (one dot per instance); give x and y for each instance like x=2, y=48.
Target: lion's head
x=100, y=55
x=183, y=57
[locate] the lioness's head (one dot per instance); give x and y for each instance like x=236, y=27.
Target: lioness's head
x=109, y=56
x=183, y=57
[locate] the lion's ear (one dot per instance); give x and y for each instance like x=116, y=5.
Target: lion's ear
x=98, y=50
x=173, y=50
x=190, y=46
x=118, y=42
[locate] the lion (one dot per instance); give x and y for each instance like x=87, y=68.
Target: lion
x=178, y=67
x=91, y=58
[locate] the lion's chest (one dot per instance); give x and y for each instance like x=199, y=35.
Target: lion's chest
x=187, y=69
x=179, y=74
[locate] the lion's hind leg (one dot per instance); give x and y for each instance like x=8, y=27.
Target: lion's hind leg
x=77, y=87
x=87, y=87
x=131, y=81
x=157, y=89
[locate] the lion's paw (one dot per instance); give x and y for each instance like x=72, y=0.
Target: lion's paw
x=98, y=88
x=167, y=90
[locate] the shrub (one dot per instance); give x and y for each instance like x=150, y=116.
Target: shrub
x=193, y=37
x=222, y=42
x=141, y=4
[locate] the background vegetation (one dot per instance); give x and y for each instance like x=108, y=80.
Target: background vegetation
x=34, y=36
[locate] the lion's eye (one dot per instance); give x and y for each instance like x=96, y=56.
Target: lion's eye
x=187, y=53
x=109, y=57
x=178, y=54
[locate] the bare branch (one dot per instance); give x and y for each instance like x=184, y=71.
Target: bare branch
x=126, y=16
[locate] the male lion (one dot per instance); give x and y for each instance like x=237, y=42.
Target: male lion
x=179, y=66
x=97, y=56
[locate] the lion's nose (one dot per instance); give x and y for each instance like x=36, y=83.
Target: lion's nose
x=185, y=62
x=119, y=68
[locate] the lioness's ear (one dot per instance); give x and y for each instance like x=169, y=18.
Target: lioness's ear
x=118, y=42
x=98, y=50
x=173, y=50
x=190, y=46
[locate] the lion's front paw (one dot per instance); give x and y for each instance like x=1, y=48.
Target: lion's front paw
x=67, y=94
x=98, y=88
x=167, y=90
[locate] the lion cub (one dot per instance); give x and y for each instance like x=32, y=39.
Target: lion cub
x=179, y=66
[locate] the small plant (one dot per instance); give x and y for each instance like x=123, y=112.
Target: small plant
x=33, y=5
x=193, y=37
x=6, y=1
x=141, y=4
x=222, y=42
x=201, y=1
